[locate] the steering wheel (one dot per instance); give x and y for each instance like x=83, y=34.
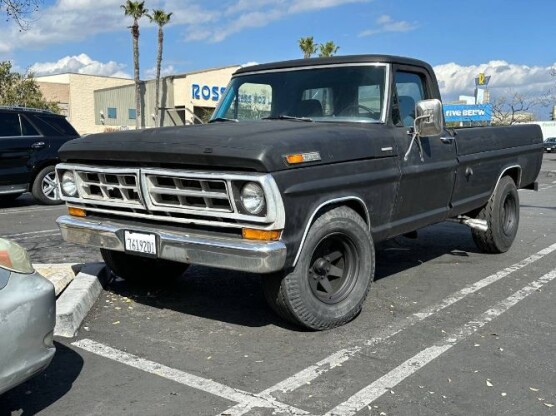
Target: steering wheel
x=348, y=110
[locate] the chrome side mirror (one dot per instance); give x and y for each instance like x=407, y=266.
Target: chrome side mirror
x=428, y=118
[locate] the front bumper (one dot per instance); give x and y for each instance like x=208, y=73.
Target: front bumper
x=184, y=247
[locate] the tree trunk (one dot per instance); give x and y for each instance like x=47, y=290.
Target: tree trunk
x=135, y=34
x=157, y=87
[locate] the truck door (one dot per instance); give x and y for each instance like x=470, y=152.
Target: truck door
x=427, y=179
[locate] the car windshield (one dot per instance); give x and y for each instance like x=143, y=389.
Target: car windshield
x=551, y=140
x=341, y=93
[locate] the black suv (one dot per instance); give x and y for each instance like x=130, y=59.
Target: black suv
x=29, y=143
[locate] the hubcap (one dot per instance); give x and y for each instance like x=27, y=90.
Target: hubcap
x=50, y=186
x=333, y=268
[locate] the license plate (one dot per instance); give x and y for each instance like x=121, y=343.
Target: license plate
x=140, y=242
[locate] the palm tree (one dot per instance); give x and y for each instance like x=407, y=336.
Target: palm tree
x=160, y=18
x=136, y=9
x=307, y=46
x=328, y=49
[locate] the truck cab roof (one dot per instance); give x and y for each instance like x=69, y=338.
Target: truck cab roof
x=347, y=59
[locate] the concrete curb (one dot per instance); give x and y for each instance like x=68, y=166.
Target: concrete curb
x=77, y=299
x=61, y=275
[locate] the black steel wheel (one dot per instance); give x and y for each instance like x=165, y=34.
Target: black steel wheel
x=331, y=280
x=333, y=268
x=502, y=216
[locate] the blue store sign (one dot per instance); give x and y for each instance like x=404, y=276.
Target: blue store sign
x=206, y=92
x=462, y=112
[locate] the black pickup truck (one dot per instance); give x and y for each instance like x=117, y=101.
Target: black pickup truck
x=304, y=167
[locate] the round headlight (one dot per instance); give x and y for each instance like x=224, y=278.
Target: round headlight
x=68, y=184
x=252, y=198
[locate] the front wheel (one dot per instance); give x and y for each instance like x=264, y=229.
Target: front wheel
x=331, y=280
x=502, y=216
x=45, y=187
x=142, y=270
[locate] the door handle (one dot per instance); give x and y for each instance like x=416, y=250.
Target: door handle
x=447, y=140
x=38, y=145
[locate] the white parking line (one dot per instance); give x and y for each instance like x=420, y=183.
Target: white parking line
x=373, y=391
x=30, y=233
x=23, y=211
x=19, y=239
x=309, y=374
x=190, y=380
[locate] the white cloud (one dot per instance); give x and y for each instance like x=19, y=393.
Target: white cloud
x=69, y=21
x=455, y=80
x=385, y=24
x=80, y=64
x=245, y=14
x=164, y=71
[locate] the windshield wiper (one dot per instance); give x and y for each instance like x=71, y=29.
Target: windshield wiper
x=235, y=120
x=284, y=117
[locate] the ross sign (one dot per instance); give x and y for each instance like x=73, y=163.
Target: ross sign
x=206, y=92
x=462, y=112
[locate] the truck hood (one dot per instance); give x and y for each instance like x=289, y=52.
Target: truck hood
x=256, y=146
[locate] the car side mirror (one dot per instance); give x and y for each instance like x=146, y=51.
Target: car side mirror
x=428, y=118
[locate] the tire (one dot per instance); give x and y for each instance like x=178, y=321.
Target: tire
x=45, y=187
x=502, y=216
x=142, y=270
x=331, y=280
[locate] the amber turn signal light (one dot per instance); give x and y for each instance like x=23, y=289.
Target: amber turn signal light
x=77, y=212
x=262, y=235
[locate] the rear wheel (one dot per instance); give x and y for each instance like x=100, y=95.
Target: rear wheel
x=137, y=269
x=45, y=187
x=331, y=280
x=502, y=216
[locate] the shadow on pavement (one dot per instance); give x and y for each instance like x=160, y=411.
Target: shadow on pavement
x=220, y=295
x=24, y=200
x=237, y=298
x=45, y=389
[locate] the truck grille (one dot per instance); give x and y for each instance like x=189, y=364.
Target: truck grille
x=109, y=186
x=171, y=195
x=188, y=193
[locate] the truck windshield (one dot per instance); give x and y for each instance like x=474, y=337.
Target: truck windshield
x=331, y=94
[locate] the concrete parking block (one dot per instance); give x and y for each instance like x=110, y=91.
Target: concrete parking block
x=61, y=275
x=78, y=298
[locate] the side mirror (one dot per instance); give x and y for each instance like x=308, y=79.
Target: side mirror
x=428, y=118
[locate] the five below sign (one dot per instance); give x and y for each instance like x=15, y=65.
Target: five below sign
x=478, y=112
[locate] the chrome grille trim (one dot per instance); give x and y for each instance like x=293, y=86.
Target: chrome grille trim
x=108, y=186
x=188, y=193
x=218, y=207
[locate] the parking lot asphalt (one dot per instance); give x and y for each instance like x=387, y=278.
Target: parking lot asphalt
x=446, y=330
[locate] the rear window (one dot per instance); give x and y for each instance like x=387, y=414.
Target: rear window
x=54, y=126
x=9, y=125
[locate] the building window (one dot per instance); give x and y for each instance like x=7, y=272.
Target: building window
x=132, y=113
x=112, y=112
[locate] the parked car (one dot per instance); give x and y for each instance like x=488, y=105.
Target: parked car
x=550, y=145
x=305, y=165
x=29, y=143
x=27, y=317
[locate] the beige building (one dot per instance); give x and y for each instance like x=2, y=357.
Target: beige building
x=75, y=95
x=184, y=99
x=95, y=104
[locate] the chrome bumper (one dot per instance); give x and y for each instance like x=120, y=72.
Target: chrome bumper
x=183, y=247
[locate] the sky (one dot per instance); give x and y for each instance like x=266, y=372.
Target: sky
x=510, y=40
